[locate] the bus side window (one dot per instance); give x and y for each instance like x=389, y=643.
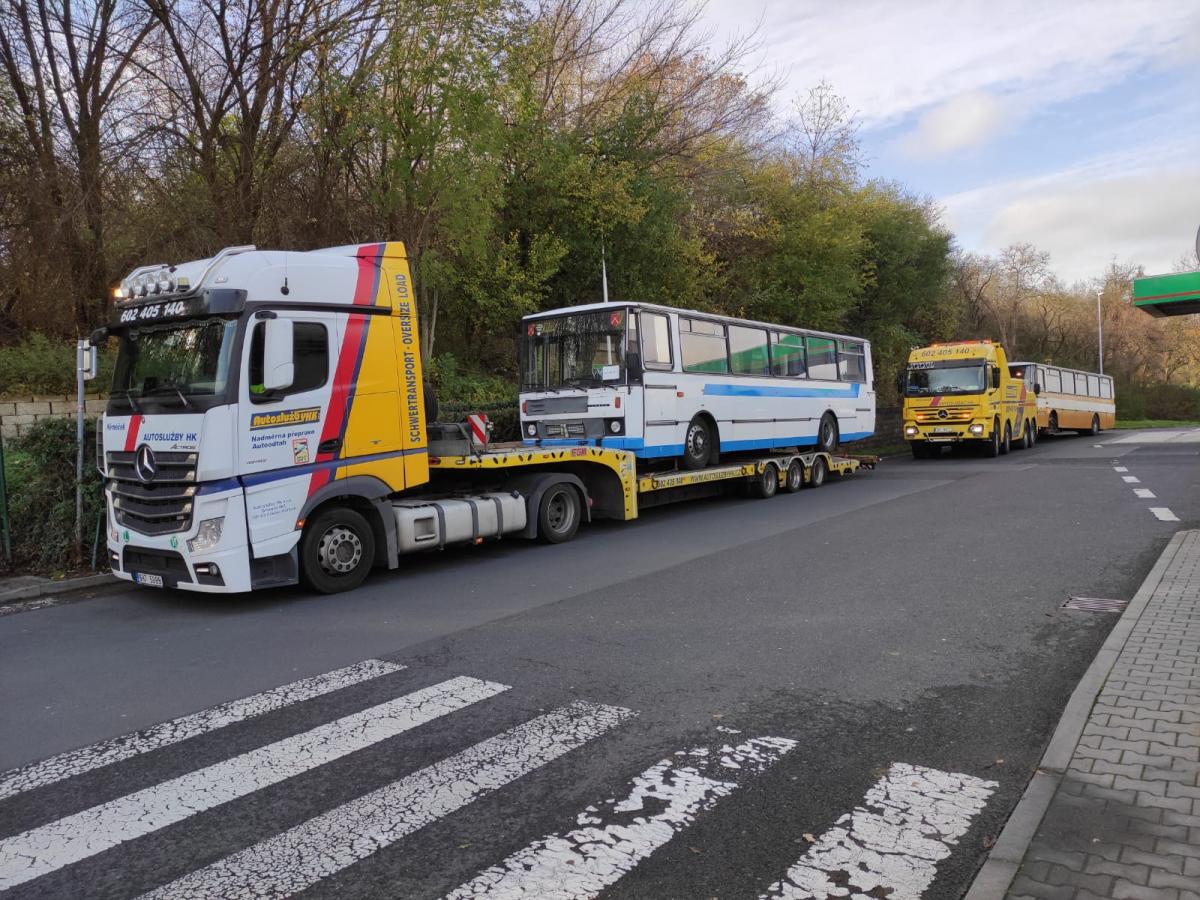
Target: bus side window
x=787, y=355
x=1106, y=388
x=748, y=351
x=1053, y=382
x=702, y=346
x=852, y=363
x=822, y=358
x=1093, y=386
x=656, y=340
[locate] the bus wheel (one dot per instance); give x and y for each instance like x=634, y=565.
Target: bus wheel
x=559, y=514
x=697, y=443
x=337, y=550
x=827, y=434
x=1053, y=425
x=1095, y=424
x=993, y=445
x=767, y=483
x=817, y=472
x=795, y=477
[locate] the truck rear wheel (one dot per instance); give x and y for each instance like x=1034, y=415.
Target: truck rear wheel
x=337, y=550
x=817, y=472
x=1006, y=444
x=559, y=514
x=767, y=483
x=795, y=477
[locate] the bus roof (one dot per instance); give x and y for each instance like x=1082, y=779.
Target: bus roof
x=1057, y=366
x=658, y=307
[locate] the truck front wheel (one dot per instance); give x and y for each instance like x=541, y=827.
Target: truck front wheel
x=337, y=550
x=559, y=514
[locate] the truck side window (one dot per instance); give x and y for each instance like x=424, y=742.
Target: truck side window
x=310, y=350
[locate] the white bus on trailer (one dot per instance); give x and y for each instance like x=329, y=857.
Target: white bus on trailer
x=674, y=383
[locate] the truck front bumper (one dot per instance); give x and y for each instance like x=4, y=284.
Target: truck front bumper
x=167, y=560
x=934, y=433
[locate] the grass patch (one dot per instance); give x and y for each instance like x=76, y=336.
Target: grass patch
x=1156, y=423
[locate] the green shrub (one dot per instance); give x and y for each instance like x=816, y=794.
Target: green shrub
x=41, y=495
x=455, y=386
x=38, y=365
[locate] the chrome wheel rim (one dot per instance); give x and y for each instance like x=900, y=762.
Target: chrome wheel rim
x=339, y=551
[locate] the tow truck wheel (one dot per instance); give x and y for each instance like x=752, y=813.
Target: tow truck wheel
x=337, y=550
x=559, y=514
x=827, y=434
x=767, y=483
x=817, y=472
x=697, y=444
x=920, y=450
x=1033, y=433
x=1006, y=444
x=992, y=448
x=795, y=477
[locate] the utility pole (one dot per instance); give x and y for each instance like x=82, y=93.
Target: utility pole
x=603, y=271
x=1099, y=334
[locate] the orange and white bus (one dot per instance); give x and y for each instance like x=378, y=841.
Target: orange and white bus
x=1070, y=400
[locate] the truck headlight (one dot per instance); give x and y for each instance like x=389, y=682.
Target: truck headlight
x=208, y=535
x=911, y=430
x=975, y=429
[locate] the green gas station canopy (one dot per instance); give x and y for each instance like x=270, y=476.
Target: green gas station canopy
x=1168, y=295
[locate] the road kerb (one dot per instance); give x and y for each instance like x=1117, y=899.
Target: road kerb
x=998, y=871
x=34, y=591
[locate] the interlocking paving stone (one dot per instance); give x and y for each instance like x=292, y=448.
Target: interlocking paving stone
x=1125, y=821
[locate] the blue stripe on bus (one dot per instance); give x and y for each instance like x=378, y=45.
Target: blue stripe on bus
x=742, y=390
x=659, y=450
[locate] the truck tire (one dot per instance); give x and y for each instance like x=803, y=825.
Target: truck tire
x=991, y=447
x=827, y=434
x=920, y=450
x=795, y=477
x=1006, y=444
x=559, y=514
x=337, y=550
x=767, y=483
x=817, y=472
x=698, y=443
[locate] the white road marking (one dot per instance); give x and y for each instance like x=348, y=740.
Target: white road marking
x=1144, y=493
x=1120, y=469
x=1163, y=514
x=297, y=858
x=890, y=846
x=1131, y=479
x=614, y=836
x=105, y=753
x=1190, y=436
x=38, y=851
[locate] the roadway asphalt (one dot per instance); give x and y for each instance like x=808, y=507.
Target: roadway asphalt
x=903, y=617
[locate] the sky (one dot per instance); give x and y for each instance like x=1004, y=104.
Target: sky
x=1071, y=125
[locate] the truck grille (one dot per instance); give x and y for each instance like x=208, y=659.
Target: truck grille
x=161, y=506
x=952, y=414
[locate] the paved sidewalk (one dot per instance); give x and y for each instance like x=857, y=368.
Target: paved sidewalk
x=1125, y=819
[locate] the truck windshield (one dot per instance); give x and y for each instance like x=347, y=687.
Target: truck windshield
x=964, y=379
x=182, y=365
x=582, y=350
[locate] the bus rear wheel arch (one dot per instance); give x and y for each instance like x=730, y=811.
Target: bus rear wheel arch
x=1093, y=428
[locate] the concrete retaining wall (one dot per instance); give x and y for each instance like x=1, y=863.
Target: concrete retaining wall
x=18, y=413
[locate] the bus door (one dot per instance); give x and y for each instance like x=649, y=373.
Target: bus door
x=659, y=383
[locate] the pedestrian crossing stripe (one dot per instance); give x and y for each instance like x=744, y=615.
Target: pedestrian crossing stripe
x=910, y=820
x=300, y=857
x=614, y=836
x=889, y=847
x=105, y=753
x=41, y=850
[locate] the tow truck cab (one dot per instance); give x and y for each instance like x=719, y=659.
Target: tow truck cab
x=965, y=392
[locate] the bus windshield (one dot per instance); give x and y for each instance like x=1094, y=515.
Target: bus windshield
x=952, y=379
x=174, y=365
x=581, y=350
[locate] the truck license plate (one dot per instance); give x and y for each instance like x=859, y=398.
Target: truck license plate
x=146, y=579
x=943, y=430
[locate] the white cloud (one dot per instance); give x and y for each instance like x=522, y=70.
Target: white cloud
x=1140, y=209
x=960, y=123
x=892, y=59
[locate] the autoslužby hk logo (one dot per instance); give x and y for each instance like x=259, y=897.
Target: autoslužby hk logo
x=145, y=466
x=941, y=415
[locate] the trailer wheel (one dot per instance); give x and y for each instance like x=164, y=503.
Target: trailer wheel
x=559, y=514
x=817, y=472
x=697, y=443
x=795, y=477
x=337, y=550
x=827, y=434
x=767, y=483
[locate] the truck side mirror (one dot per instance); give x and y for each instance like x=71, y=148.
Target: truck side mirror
x=995, y=376
x=279, y=366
